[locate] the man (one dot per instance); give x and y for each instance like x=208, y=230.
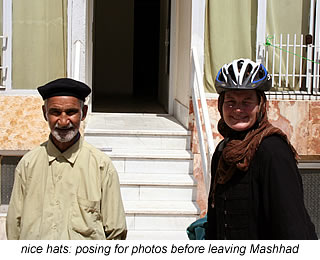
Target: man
x=65, y=188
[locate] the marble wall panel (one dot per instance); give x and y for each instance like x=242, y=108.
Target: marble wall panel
x=299, y=119
x=201, y=189
x=293, y=118
x=314, y=128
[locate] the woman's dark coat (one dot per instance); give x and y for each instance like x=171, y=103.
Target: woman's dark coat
x=266, y=202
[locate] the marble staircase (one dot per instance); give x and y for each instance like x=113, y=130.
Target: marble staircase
x=152, y=156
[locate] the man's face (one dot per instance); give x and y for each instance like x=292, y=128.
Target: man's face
x=64, y=115
x=240, y=108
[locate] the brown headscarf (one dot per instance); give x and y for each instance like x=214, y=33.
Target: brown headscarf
x=241, y=147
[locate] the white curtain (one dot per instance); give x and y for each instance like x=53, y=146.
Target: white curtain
x=39, y=42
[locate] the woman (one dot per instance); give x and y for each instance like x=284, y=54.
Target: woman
x=256, y=189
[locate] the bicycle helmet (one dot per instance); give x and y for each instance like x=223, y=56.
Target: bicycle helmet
x=242, y=74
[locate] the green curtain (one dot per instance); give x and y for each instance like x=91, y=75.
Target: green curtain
x=230, y=33
x=39, y=44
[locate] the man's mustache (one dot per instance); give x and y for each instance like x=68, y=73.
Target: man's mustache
x=58, y=127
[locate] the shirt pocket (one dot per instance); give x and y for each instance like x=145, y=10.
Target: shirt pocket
x=85, y=220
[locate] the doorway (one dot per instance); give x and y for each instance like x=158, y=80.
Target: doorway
x=130, y=56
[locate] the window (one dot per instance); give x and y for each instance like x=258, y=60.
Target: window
x=284, y=35
x=311, y=186
x=8, y=165
x=36, y=50
x=291, y=45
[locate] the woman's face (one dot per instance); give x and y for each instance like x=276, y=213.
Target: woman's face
x=240, y=109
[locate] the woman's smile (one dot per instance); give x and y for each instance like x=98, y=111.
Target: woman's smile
x=240, y=109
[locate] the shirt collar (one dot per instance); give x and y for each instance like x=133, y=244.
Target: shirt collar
x=70, y=154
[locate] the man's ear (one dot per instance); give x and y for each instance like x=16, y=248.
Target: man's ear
x=44, y=111
x=84, y=112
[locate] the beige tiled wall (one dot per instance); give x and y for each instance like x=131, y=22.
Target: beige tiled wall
x=22, y=126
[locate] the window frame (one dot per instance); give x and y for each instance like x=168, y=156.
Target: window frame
x=6, y=45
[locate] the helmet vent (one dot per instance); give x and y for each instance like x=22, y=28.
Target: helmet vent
x=247, y=72
x=232, y=75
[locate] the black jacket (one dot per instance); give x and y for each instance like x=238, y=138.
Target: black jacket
x=266, y=202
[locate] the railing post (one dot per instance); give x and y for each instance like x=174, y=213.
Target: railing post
x=309, y=48
x=261, y=31
x=316, y=51
x=77, y=53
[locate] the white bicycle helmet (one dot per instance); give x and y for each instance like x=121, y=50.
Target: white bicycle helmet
x=243, y=74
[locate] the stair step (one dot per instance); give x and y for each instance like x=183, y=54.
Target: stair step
x=134, y=132
x=161, y=207
x=133, y=123
x=159, y=222
x=153, y=166
x=152, y=162
x=156, y=187
x=139, y=141
x=156, y=179
x=150, y=193
x=149, y=154
x=157, y=235
x=138, y=131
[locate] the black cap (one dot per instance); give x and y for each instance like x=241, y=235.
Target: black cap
x=64, y=87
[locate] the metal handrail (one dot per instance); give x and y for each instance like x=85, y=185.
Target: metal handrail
x=198, y=94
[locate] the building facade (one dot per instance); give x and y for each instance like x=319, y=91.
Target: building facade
x=138, y=58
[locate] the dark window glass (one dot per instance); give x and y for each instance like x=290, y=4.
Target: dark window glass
x=8, y=165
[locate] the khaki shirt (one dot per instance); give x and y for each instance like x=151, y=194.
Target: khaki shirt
x=69, y=195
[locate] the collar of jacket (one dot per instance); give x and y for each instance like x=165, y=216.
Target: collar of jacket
x=70, y=154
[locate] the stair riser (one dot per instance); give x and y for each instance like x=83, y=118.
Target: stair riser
x=151, y=193
x=136, y=222
x=158, y=166
x=141, y=142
